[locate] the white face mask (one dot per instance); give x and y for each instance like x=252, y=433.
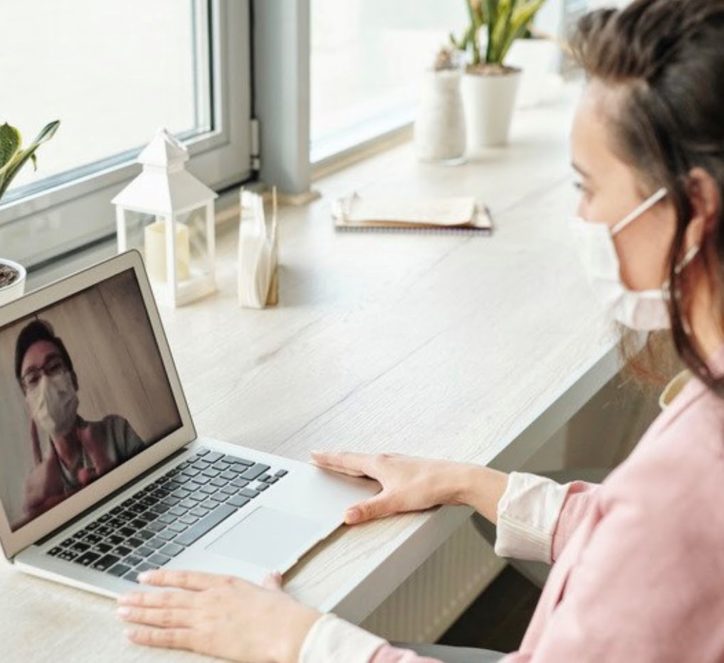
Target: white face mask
x=644, y=310
x=53, y=403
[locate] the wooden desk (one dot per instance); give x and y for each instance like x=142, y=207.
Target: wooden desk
x=452, y=346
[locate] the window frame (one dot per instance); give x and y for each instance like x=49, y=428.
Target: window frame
x=42, y=225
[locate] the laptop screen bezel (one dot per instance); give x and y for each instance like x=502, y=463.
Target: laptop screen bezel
x=15, y=541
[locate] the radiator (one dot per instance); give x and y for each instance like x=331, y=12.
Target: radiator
x=438, y=592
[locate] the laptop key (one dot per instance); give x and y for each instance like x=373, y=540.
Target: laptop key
x=272, y=479
x=67, y=555
x=240, y=483
x=195, y=532
x=213, y=456
x=54, y=552
x=254, y=471
x=145, y=535
x=132, y=560
x=131, y=576
x=92, y=538
x=238, y=501
x=202, y=452
x=87, y=558
x=80, y=547
x=281, y=473
x=157, y=526
x=264, y=477
x=171, y=549
x=122, y=551
x=119, y=570
x=177, y=527
x=105, y=562
x=189, y=519
x=159, y=560
x=166, y=519
x=146, y=566
x=240, y=464
x=166, y=535
x=261, y=486
x=144, y=551
x=103, y=547
x=248, y=492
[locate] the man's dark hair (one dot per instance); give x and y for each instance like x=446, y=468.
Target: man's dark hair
x=40, y=330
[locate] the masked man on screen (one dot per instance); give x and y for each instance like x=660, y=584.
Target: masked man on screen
x=69, y=452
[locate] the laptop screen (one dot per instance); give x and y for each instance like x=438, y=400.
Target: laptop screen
x=84, y=389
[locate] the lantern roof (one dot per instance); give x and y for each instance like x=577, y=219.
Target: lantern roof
x=164, y=187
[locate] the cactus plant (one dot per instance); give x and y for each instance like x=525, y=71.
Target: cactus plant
x=506, y=21
x=13, y=156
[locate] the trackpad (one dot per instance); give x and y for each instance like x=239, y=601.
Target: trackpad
x=268, y=538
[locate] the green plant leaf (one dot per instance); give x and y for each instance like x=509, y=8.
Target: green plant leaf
x=10, y=169
x=10, y=140
x=521, y=20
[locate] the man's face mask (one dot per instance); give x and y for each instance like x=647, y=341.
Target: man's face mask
x=53, y=403
x=645, y=310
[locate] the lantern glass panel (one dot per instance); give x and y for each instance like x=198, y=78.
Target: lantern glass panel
x=194, y=223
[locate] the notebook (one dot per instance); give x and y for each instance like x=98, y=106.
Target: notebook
x=372, y=213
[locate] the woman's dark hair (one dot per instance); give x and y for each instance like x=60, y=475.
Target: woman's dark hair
x=40, y=330
x=666, y=57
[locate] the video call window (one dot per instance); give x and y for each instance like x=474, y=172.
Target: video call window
x=84, y=389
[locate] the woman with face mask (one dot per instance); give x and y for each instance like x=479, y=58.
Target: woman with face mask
x=69, y=452
x=638, y=561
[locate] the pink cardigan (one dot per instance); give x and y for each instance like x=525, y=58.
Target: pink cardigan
x=639, y=560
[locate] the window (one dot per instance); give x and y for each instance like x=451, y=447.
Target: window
x=113, y=72
x=368, y=58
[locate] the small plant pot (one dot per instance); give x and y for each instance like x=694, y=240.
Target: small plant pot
x=489, y=100
x=12, y=281
x=440, y=123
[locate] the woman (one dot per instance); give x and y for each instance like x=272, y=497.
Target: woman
x=639, y=560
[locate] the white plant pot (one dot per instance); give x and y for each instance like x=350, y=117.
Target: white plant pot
x=16, y=289
x=489, y=100
x=440, y=122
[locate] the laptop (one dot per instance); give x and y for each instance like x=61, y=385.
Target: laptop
x=102, y=474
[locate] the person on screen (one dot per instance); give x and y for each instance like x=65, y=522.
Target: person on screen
x=68, y=451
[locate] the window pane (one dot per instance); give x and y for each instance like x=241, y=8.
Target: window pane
x=112, y=72
x=368, y=58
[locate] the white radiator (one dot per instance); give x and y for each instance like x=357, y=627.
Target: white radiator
x=435, y=595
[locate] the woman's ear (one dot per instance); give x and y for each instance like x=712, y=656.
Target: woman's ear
x=706, y=207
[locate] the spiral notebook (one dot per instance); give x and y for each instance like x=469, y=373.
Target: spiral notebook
x=460, y=214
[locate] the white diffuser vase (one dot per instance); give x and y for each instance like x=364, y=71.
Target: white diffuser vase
x=489, y=100
x=440, y=123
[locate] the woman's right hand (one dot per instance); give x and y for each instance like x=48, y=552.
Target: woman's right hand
x=408, y=483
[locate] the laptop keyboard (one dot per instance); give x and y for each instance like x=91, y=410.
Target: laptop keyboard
x=160, y=521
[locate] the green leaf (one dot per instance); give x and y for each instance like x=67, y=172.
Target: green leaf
x=10, y=140
x=10, y=169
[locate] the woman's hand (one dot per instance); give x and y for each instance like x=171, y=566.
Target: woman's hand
x=408, y=483
x=219, y=616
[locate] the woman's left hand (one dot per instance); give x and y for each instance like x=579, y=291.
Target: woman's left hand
x=220, y=616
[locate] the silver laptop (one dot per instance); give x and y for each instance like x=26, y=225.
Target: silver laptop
x=102, y=475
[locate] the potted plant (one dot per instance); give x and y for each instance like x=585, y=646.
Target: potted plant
x=489, y=85
x=12, y=158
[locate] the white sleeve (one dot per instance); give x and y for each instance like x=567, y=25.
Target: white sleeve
x=333, y=640
x=527, y=516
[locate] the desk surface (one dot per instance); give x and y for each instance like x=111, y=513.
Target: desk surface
x=450, y=346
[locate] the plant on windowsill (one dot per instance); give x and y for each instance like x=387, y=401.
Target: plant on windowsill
x=489, y=86
x=12, y=158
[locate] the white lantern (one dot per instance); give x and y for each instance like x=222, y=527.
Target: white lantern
x=167, y=193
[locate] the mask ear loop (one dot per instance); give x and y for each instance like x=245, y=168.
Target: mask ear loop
x=643, y=207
